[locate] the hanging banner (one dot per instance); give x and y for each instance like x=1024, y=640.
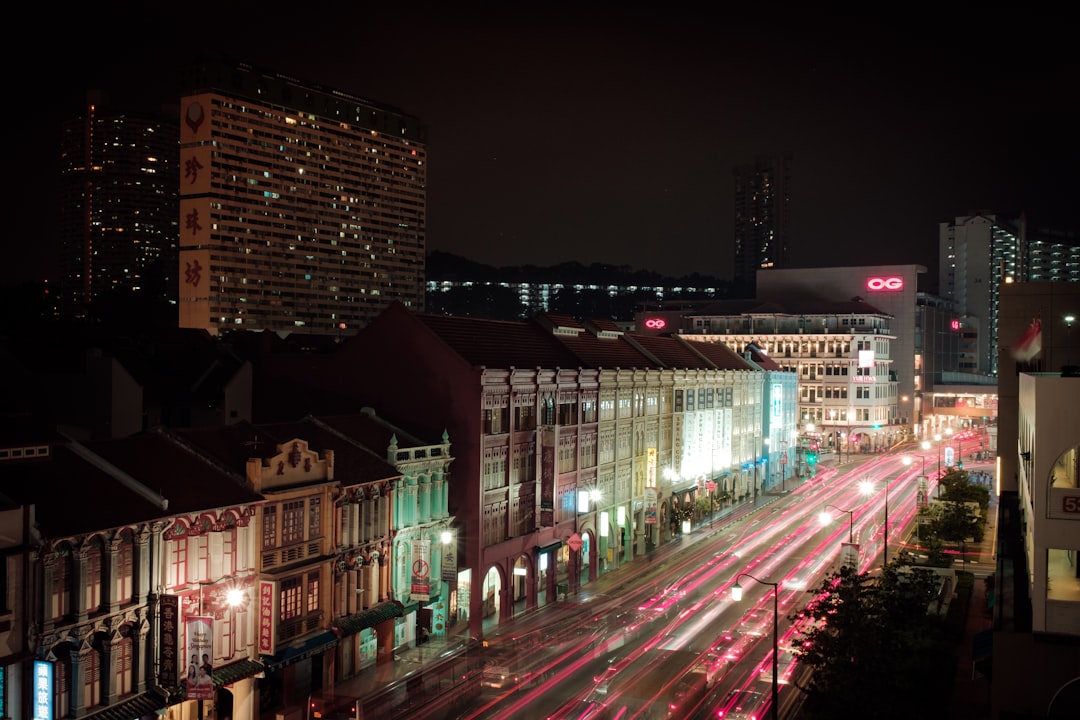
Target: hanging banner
x=199, y=632
x=169, y=631
x=421, y=570
x=650, y=506
x=547, y=478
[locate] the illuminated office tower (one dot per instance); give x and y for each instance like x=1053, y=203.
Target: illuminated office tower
x=302, y=208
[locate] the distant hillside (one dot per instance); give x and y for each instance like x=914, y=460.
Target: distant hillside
x=447, y=266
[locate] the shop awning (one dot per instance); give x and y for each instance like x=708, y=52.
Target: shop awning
x=295, y=653
x=146, y=704
x=234, y=672
x=550, y=547
x=352, y=624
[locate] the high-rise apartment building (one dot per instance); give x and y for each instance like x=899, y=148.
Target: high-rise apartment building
x=978, y=253
x=762, y=218
x=302, y=208
x=118, y=207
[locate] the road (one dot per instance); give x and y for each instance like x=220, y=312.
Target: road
x=628, y=647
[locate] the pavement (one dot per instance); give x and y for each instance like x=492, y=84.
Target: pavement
x=971, y=692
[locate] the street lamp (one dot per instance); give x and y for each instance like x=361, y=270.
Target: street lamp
x=825, y=518
x=867, y=488
x=736, y=595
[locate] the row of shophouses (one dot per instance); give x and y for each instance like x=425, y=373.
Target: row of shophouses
x=299, y=554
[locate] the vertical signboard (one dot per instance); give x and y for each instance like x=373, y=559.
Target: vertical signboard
x=777, y=403
x=547, y=477
x=42, y=700
x=449, y=561
x=199, y=632
x=268, y=609
x=169, y=631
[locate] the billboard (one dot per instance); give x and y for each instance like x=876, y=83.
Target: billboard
x=199, y=632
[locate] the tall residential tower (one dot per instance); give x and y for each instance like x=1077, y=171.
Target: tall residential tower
x=762, y=218
x=302, y=208
x=118, y=190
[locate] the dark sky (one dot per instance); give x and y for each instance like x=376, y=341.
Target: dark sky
x=559, y=133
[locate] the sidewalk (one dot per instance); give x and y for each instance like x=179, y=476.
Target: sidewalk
x=971, y=688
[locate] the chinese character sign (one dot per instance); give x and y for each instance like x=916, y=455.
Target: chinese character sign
x=199, y=632
x=268, y=604
x=42, y=699
x=169, y=629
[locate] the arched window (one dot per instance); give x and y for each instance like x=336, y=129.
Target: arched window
x=92, y=678
x=60, y=592
x=92, y=557
x=62, y=681
x=125, y=567
x=124, y=670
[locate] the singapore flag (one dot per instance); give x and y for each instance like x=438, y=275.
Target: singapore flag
x=1028, y=345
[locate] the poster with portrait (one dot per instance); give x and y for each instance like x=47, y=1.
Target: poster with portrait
x=199, y=654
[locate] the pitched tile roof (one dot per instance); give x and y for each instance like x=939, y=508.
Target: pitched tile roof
x=499, y=343
x=73, y=495
x=671, y=353
x=719, y=354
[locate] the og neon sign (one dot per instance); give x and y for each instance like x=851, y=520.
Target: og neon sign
x=656, y=323
x=879, y=284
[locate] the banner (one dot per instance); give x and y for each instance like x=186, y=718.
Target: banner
x=199, y=632
x=650, y=506
x=169, y=631
x=420, y=587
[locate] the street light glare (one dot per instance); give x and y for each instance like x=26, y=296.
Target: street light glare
x=736, y=592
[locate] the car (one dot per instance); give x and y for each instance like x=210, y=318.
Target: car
x=742, y=705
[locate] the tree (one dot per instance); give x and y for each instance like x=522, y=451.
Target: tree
x=869, y=640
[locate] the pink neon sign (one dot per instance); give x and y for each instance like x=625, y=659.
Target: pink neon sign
x=878, y=284
x=656, y=323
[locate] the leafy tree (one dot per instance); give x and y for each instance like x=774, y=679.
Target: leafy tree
x=869, y=640
x=482, y=300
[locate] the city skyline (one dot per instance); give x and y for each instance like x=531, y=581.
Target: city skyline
x=610, y=137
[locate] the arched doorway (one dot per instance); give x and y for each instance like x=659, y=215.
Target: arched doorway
x=491, y=594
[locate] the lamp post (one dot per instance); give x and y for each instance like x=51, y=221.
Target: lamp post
x=925, y=445
x=825, y=518
x=867, y=488
x=736, y=595
x=937, y=439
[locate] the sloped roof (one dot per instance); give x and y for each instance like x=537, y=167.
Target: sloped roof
x=609, y=353
x=672, y=353
x=499, y=343
x=183, y=476
x=719, y=354
x=73, y=495
x=372, y=431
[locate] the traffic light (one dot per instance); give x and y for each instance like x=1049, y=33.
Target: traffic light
x=811, y=458
x=959, y=464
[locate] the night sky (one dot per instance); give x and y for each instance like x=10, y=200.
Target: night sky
x=560, y=134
